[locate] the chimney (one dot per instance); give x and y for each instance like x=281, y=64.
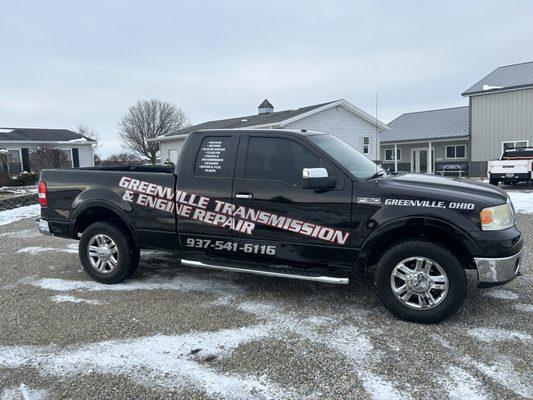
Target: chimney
x=265, y=108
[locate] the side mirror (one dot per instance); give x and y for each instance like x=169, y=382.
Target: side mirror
x=317, y=178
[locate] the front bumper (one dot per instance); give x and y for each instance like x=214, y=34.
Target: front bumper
x=44, y=227
x=497, y=271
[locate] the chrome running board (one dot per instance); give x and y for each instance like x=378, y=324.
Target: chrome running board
x=327, y=279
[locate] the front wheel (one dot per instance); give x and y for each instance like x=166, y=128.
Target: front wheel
x=420, y=281
x=107, y=253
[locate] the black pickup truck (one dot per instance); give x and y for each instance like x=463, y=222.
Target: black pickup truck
x=294, y=204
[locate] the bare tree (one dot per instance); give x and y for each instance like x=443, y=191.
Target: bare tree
x=46, y=157
x=84, y=130
x=122, y=159
x=149, y=119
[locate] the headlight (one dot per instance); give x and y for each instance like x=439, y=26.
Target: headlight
x=496, y=218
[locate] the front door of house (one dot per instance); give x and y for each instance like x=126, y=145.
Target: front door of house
x=420, y=160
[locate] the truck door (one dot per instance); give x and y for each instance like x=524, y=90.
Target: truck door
x=290, y=223
x=204, y=177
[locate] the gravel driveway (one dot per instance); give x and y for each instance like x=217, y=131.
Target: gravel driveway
x=174, y=332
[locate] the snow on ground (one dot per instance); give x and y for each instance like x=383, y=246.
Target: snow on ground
x=18, y=190
x=180, y=283
x=502, y=371
x=167, y=361
x=524, y=307
x=66, y=298
x=502, y=294
x=462, y=385
x=16, y=214
x=522, y=201
x=22, y=234
x=23, y=393
x=497, y=335
x=70, y=248
x=178, y=361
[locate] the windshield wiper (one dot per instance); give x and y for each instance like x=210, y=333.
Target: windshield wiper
x=374, y=176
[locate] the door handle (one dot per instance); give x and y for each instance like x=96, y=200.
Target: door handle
x=244, y=195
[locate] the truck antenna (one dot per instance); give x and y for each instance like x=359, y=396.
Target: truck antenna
x=377, y=139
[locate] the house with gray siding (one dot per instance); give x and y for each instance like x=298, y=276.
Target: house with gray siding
x=432, y=141
x=501, y=114
x=20, y=142
x=340, y=118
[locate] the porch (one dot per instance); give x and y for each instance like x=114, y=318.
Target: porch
x=449, y=157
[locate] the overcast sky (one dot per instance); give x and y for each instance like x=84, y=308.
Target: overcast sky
x=65, y=63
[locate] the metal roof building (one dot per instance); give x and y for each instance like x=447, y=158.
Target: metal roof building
x=444, y=123
x=507, y=77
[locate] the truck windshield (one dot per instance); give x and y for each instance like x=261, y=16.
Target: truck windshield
x=360, y=166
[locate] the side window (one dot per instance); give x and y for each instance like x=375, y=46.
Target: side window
x=211, y=159
x=279, y=159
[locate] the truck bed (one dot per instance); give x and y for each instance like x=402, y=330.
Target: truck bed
x=82, y=194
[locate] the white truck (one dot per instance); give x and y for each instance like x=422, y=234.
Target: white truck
x=515, y=165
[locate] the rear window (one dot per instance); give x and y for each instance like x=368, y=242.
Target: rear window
x=212, y=156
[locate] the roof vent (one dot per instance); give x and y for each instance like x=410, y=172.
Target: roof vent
x=265, y=107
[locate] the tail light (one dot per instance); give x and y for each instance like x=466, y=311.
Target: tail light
x=43, y=192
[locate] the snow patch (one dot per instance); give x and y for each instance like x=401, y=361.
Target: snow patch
x=502, y=294
x=522, y=201
x=22, y=234
x=71, y=249
x=19, y=189
x=16, y=214
x=380, y=389
x=461, y=385
x=180, y=283
x=346, y=340
x=160, y=360
x=506, y=375
x=501, y=370
x=24, y=393
x=71, y=299
x=524, y=307
x=497, y=335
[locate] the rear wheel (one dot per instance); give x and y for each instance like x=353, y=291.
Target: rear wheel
x=420, y=281
x=493, y=181
x=107, y=252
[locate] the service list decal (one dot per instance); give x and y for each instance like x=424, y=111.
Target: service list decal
x=220, y=213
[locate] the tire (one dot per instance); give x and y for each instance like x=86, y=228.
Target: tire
x=493, y=181
x=117, y=248
x=448, y=294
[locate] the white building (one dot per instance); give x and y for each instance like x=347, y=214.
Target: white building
x=20, y=142
x=340, y=118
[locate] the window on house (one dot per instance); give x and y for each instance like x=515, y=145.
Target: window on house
x=366, y=144
x=389, y=154
x=68, y=155
x=456, y=151
x=514, y=143
x=14, y=162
